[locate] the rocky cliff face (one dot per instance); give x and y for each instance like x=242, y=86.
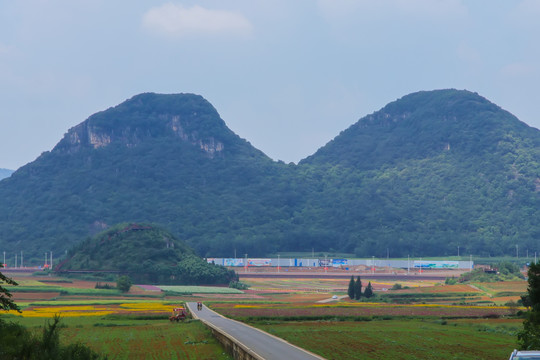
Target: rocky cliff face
x=129, y=131
x=209, y=145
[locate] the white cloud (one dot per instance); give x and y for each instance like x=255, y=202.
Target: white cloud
x=177, y=20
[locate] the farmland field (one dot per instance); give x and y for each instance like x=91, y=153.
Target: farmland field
x=358, y=310
x=122, y=337
x=200, y=289
x=121, y=326
x=422, y=319
x=395, y=339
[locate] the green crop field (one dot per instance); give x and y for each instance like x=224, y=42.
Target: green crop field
x=398, y=339
x=200, y=289
x=115, y=324
x=124, y=337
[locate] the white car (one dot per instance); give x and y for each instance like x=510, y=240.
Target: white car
x=525, y=355
x=334, y=297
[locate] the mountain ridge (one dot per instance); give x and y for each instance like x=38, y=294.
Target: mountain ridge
x=427, y=173
x=149, y=115
x=453, y=128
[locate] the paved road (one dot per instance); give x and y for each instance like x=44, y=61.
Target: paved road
x=268, y=347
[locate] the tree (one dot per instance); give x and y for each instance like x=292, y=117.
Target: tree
x=5, y=296
x=350, y=291
x=369, y=291
x=529, y=337
x=358, y=289
x=124, y=283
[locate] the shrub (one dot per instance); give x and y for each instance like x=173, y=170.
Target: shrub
x=124, y=283
x=103, y=286
x=238, y=285
x=16, y=342
x=396, y=286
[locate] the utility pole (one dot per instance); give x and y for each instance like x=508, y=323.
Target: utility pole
x=51, y=260
x=4, y=263
x=278, y=263
x=458, y=251
x=45, y=259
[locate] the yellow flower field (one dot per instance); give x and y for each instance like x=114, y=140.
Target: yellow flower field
x=96, y=310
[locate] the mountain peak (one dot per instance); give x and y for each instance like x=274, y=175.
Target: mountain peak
x=422, y=125
x=184, y=117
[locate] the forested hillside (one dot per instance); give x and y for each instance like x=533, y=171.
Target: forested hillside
x=427, y=173
x=430, y=172
x=165, y=159
x=147, y=253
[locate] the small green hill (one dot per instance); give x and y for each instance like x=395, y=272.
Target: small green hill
x=147, y=254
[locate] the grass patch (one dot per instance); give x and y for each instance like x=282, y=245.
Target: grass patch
x=126, y=338
x=56, y=281
x=65, y=291
x=188, y=290
x=395, y=339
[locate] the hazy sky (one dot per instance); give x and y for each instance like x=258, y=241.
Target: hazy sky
x=288, y=76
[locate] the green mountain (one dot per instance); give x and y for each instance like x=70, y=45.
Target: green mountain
x=147, y=253
x=424, y=125
x=165, y=159
x=427, y=173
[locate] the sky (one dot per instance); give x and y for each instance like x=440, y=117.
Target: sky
x=288, y=76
